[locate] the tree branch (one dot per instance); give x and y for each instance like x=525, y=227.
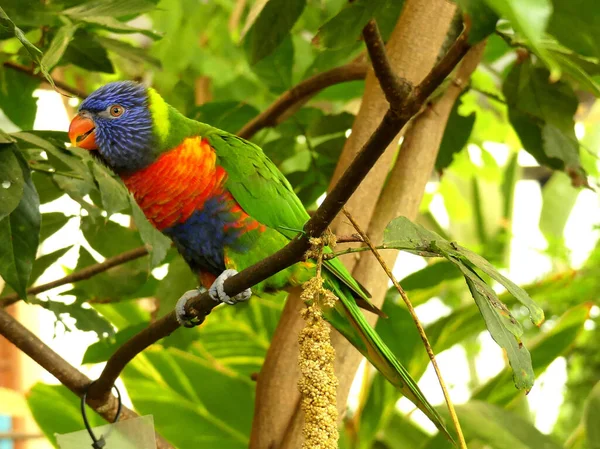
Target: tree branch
x=396, y=89
x=294, y=251
x=70, y=377
x=80, y=275
x=303, y=90
x=72, y=91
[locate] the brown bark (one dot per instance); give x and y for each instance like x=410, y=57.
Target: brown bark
x=412, y=52
x=404, y=190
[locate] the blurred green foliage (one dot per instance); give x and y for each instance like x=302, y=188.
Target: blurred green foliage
x=225, y=61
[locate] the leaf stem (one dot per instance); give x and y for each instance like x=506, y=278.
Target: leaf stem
x=461, y=439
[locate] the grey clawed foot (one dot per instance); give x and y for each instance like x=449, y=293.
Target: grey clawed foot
x=182, y=317
x=217, y=292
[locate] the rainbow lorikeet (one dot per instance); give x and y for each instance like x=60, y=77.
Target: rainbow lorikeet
x=223, y=203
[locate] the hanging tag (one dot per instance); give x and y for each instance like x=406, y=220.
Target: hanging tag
x=136, y=433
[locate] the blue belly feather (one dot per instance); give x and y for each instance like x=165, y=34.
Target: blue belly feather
x=202, y=238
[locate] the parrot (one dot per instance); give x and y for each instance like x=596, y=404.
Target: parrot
x=224, y=204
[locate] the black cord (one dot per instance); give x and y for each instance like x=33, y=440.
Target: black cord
x=98, y=443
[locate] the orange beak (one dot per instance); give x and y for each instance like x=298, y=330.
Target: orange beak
x=81, y=133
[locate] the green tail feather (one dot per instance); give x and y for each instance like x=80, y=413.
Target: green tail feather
x=348, y=319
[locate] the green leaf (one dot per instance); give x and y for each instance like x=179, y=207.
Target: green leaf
x=481, y=18
x=275, y=70
x=119, y=283
x=19, y=237
x=16, y=97
x=329, y=124
x=114, y=195
x=430, y=276
x=6, y=138
x=34, y=52
x=57, y=410
x=495, y=428
x=179, y=280
x=503, y=329
x=52, y=222
x=401, y=432
x=111, y=8
x=86, y=319
x=86, y=52
x=238, y=337
x=580, y=70
x=108, y=237
x=42, y=263
x=552, y=344
x=271, y=28
x=560, y=145
x=405, y=235
x=125, y=314
x=46, y=187
x=101, y=350
x=535, y=312
x=456, y=135
x=559, y=197
x=11, y=180
x=58, y=46
x=345, y=28
x=229, y=116
x=278, y=150
x=387, y=16
x=53, y=144
x=157, y=243
x=529, y=18
x=112, y=24
x=170, y=378
x=592, y=418
x=128, y=51
x=542, y=115
x=576, y=25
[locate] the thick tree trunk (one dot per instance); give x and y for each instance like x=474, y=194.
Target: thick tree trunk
x=413, y=49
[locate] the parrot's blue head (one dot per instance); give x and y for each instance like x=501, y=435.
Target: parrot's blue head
x=115, y=123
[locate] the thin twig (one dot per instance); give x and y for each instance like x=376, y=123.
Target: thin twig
x=413, y=314
x=80, y=275
x=69, y=376
x=396, y=89
x=72, y=91
x=294, y=251
x=353, y=238
x=303, y=90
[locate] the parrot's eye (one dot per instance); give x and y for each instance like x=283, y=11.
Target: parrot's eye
x=116, y=110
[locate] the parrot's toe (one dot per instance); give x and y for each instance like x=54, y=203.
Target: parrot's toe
x=182, y=317
x=217, y=292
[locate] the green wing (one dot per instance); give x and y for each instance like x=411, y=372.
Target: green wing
x=266, y=195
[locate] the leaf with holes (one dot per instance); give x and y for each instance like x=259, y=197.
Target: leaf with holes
x=402, y=234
